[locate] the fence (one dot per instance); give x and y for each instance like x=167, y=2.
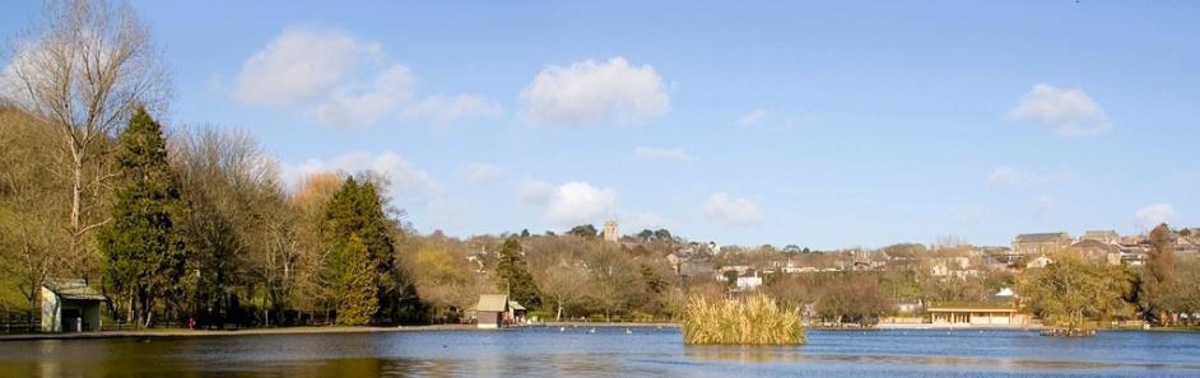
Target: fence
x=19, y=323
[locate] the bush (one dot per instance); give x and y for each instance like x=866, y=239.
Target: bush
x=757, y=320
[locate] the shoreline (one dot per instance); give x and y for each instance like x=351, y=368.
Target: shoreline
x=950, y=327
x=603, y=325
x=186, y=333
x=314, y=330
x=304, y=330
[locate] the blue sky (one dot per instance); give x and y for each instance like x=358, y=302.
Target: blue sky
x=824, y=125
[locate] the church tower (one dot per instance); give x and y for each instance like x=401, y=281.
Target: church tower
x=610, y=231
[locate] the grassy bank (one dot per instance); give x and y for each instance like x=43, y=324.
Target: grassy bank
x=757, y=320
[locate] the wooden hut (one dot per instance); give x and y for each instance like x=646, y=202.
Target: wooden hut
x=492, y=310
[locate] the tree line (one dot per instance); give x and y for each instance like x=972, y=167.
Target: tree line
x=194, y=224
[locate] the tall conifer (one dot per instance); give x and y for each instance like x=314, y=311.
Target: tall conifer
x=143, y=255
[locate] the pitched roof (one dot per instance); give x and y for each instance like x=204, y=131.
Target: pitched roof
x=74, y=289
x=492, y=303
x=1047, y=236
x=516, y=305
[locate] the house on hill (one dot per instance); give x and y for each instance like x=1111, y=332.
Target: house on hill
x=1096, y=251
x=1103, y=236
x=70, y=305
x=1041, y=244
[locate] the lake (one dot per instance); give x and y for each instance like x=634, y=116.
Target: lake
x=547, y=352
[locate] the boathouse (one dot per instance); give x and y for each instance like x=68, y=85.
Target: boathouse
x=70, y=305
x=974, y=314
x=492, y=310
x=516, y=312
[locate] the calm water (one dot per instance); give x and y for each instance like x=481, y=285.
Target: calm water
x=612, y=352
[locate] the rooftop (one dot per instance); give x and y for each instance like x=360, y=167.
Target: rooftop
x=73, y=289
x=964, y=305
x=492, y=303
x=1041, y=237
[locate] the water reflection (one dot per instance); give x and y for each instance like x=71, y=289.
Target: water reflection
x=540, y=352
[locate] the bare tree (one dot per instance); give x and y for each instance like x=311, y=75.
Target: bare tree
x=564, y=286
x=28, y=217
x=238, y=228
x=84, y=71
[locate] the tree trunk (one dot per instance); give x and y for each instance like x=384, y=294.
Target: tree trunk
x=130, y=311
x=76, y=202
x=558, y=317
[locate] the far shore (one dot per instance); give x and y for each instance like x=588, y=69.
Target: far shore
x=604, y=324
x=958, y=326
x=184, y=332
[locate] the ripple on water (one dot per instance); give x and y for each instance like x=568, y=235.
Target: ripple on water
x=611, y=352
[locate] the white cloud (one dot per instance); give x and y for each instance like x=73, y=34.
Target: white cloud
x=407, y=183
x=577, y=203
x=534, y=192
x=570, y=204
x=664, y=154
x=589, y=92
x=339, y=80
x=1003, y=176
x=1150, y=216
x=478, y=173
x=443, y=110
x=1069, y=112
x=751, y=119
x=392, y=87
x=300, y=65
x=732, y=211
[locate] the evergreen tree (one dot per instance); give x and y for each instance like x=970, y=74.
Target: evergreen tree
x=356, y=283
x=356, y=211
x=584, y=231
x=142, y=253
x=1158, y=277
x=514, y=275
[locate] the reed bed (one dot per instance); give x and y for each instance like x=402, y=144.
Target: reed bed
x=756, y=320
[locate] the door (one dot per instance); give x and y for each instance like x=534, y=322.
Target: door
x=70, y=319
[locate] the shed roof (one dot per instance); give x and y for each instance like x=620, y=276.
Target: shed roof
x=73, y=289
x=492, y=303
x=516, y=305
